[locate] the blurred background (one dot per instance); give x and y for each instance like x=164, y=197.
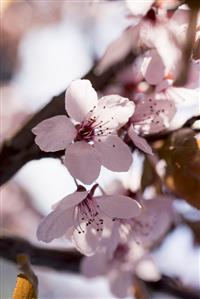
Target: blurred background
x=44, y=45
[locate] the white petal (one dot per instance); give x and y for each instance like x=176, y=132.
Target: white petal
x=55, y=225
x=118, y=206
x=86, y=242
x=114, y=111
x=146, y=269
x=82, y=161
x=80, y=98
x=54, y=134
x=114, y=153
x=139, y=7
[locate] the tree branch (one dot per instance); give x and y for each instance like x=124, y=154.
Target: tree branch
x=61, y=260
x=21, y=148
x=65, y=260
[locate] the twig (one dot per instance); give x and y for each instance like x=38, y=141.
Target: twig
x=65, y=260
x=188, y=48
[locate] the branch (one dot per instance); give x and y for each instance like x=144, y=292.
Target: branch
x=21, y=148
x=62, y=260
x=65, y=260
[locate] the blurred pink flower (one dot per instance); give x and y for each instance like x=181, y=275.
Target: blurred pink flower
x=154, y=221
x=127, y=260
x=91, y=141
x=158, y=36
x=82, y=216
x=151, y=116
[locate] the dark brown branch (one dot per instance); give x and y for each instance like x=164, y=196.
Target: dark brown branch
x=21, y=148
x=61, y=260
x=173, y=287
x=65, y=260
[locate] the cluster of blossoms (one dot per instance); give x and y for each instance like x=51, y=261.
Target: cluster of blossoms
x=115, y=231
x=103, y=223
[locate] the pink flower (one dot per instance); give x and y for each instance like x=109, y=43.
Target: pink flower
x=91, y=139
x=127, y=260
x=151, y=116
x=82, y=216
x=152, y=224
x=155, y=33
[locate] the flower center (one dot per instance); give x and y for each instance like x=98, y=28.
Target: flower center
x=92, y=127
x=89, y=212
x=85, y=131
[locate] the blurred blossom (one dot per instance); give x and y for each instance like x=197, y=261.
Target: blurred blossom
x=19, y=215
x=119, y=268
x=13, y=114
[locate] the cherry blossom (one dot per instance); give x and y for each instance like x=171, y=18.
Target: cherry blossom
x=155, y=32
x=82, y=216
x=154, y=221
x=90, y=139
x=127, y=260
x=151, y=116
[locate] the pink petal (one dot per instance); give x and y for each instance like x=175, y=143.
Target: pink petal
x=71, y=200
x=82, y=161
x=118, y=206
x=154, y=221
x=139, y=142
x=118, y=49
x=153, y=68
x=114, y=111
x=114, y=153
x=113, y=240
x=80, y=98
x=55, y=225
x=86, y=242
x=95, y=265
x=120, y=282
x=54, y=134
x=152, y=115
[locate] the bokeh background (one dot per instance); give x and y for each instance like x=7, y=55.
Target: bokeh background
x=44, y=45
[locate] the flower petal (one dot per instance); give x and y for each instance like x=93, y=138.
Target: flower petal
x=139, y=142
x=86, y=242
x=120, y=282
x=118, y=206
x=153, y=68
x=114, y=153
x=55, y=225
x=154, y=221
x=94, y=265
x=80, y=98
x=71, y=200
x=54, y=134
x=114, y=111
x=82, y=161
x=153, y=115
x=140, y=9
